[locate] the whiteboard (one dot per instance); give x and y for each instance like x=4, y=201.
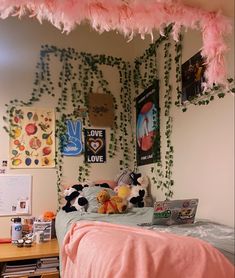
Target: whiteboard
x=15, y=195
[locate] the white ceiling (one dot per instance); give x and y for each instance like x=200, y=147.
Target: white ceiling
x=226, y=6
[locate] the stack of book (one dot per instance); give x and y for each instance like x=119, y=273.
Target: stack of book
x=19, y=268
x=47, y=265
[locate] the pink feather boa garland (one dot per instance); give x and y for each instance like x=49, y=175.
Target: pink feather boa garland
x=131, y=17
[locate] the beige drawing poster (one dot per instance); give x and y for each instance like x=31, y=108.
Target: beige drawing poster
x=101, y=109
x=32, y=140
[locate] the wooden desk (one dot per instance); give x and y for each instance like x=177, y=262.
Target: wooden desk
x=10, y=252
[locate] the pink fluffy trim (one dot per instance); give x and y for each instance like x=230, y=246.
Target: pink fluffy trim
x=131, y=17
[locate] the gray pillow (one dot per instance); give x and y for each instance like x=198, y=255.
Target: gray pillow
x=90, y=193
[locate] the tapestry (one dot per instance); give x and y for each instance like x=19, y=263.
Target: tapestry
x=148, y=126
x=73, y=138
x=32, y=138
x=95, y=146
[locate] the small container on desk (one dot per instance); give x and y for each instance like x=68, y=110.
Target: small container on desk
x=42, y=226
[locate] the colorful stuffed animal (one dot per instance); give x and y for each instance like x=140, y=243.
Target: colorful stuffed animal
x=48, y=215
x=123, y=191
x=110, y=204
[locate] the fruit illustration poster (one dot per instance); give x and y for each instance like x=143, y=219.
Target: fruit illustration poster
x=148, y=126
x=32, y=138
x=95, y=147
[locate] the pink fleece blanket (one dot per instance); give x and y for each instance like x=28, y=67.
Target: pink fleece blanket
x=104, y=250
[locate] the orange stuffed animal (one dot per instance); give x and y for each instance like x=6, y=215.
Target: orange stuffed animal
x=110, y=204
x=48, y=215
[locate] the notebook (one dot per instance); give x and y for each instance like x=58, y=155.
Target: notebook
x=174, y=212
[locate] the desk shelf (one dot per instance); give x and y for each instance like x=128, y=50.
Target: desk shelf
x=10, y=253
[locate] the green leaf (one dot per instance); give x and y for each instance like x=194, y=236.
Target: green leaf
x=45, y=135
x=221, y=95
x=14, y=152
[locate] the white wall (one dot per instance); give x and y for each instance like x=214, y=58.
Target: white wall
x=20, y=44
x=203, y=140
x=203, y=137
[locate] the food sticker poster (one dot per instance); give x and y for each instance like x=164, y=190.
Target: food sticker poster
x=32, y=138
x=95, y=146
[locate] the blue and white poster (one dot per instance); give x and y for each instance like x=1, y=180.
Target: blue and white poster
x=73, y=145
x=95, y=146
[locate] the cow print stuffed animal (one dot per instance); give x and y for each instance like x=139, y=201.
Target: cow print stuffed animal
x=75, y=201
x=139, y=192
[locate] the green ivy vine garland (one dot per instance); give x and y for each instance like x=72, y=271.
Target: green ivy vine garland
x=145, y=73
x=80, y=75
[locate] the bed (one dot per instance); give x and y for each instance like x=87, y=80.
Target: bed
x=94, y=245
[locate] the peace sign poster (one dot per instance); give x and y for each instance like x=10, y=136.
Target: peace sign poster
x=95, y=146
x=72, y=140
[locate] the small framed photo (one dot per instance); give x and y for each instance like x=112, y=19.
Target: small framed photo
x=192, y=77
x=22, y=206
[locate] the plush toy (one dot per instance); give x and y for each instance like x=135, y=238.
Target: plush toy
x=110, y=204
x=143, y=181
x=124, y=177
x=123, y=191
x=74, y=199
x=134, y=177
x=104, y=185
x=80, y=203
x=139, y=193
x=48, y=215
x=137, y=196
x=88, y=183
